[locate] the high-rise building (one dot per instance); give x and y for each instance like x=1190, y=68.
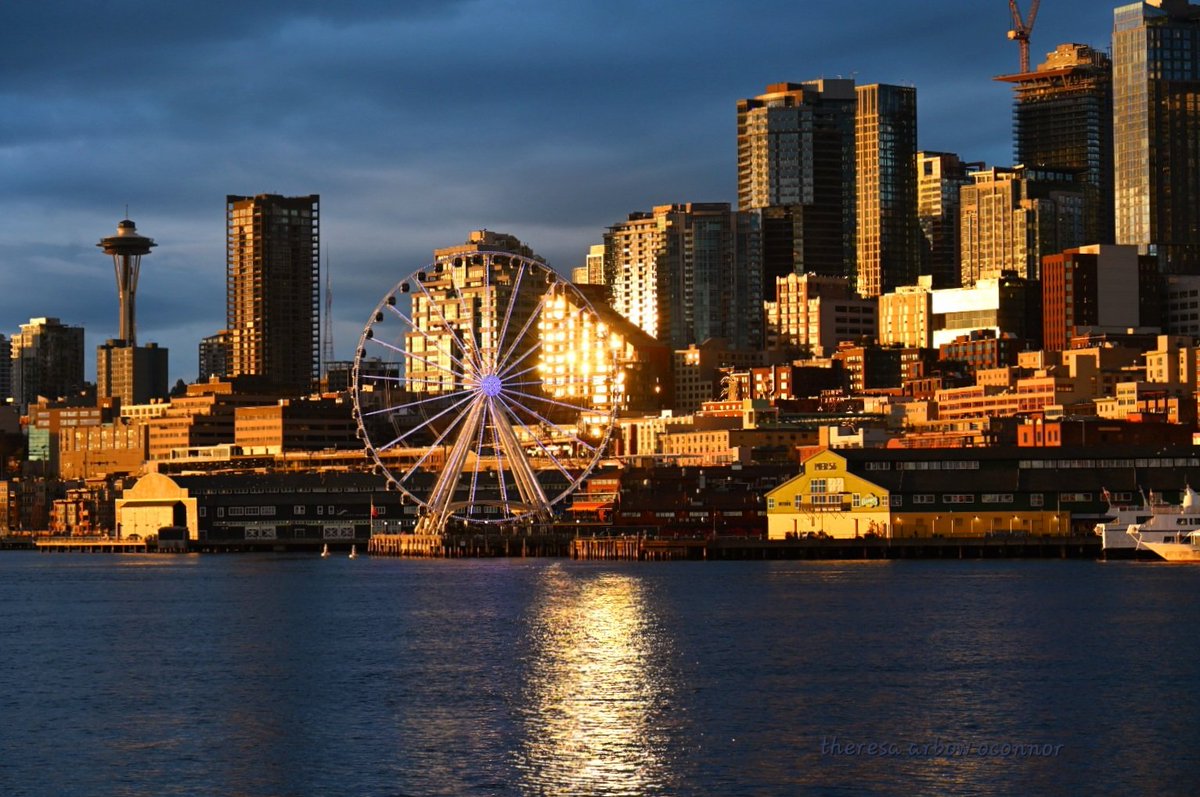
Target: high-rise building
x=1012, y=218
x=811, y=315
x=272, y=285
x=134, y=374
x=940, y=176
x=215, y=356
x=888, y=235
x=1097, y=289
x=1062, y=120
x=688, y=272
x=905, y=315
x=47, y=360
x=465, y=296
x=796, y=160
x=1156, y=122
x=5, y=369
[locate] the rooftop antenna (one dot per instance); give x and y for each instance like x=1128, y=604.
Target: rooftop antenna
x=1022, y=29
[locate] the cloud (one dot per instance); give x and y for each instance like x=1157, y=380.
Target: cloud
x=417, y=122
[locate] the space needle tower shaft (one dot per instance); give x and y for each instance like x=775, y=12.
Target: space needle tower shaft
x=127, y=248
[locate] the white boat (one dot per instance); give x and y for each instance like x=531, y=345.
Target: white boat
x=1181, y=547
x=325, y=551
x=353, y=551
x=1114, y=532
x=1154, y=521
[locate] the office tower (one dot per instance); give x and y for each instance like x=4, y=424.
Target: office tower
x=688, y=272
x=888, y=235
x=940, y=176
x=1062, y=120
x=464, y=297
x=1156, y=122
x=47, y=360
x=811, y=315
x=796, y=171
x=134, y=374
x=5, y=368
x=214, y=355
x=487, y=241
x=1012, y=218
x=905, y=315
x=1097, y=289
x=272, y=289
x=595, y=265
x=1006, y=304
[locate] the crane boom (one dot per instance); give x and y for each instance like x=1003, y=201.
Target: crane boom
x=1022, y=29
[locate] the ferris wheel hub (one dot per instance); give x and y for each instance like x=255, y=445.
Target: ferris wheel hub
x=491, y=385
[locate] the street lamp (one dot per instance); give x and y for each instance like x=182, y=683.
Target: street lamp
x=974, y=522
x=1010, y=524
x=936, y=518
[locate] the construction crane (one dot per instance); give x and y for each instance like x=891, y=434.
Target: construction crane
x=1021, y=30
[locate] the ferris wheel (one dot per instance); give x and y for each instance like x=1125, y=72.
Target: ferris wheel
x=485, y=389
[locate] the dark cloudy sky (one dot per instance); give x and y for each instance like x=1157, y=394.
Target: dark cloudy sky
x=417, y=121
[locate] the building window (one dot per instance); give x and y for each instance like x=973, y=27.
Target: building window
x=298, y=509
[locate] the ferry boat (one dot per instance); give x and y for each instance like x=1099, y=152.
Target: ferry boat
x=1155, y=521
x=1181, y=547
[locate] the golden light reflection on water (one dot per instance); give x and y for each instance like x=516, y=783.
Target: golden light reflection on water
x=596, y=689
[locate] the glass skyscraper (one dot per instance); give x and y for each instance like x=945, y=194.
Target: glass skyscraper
x=1156, y=120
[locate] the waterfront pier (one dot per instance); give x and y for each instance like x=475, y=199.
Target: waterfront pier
x=89, y=545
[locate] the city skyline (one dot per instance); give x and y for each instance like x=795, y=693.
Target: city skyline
x=418, y=125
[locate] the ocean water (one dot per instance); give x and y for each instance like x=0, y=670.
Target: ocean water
x=284, y=675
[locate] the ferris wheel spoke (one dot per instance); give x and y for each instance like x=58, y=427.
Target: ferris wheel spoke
x=502, y=364
x=428, y=421
x=478, y=463
x=544, y=400
x=512, y=298
x=468, y=353
x=499, y=458
x=436, y=344
x=464, y=313
x=438, y=397
x=558, y=428
x=522, y=372
x=408, y=355
x=507, y=371
x=523, y=475
x=570, y=476
x=433, y=446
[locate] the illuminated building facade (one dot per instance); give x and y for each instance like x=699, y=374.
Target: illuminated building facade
x=1097, y=288
x=905, y=316
x=1156, y=121
x=133, y=374
x=888, y=235
x=812, y=314
x=47, y=360
x=272, y=284
x=688, y=272
x=1063, y=120
x=796, y=161
x=940, y=175
x=1011, y=218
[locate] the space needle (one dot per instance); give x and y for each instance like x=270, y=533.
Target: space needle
x=127, y=249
